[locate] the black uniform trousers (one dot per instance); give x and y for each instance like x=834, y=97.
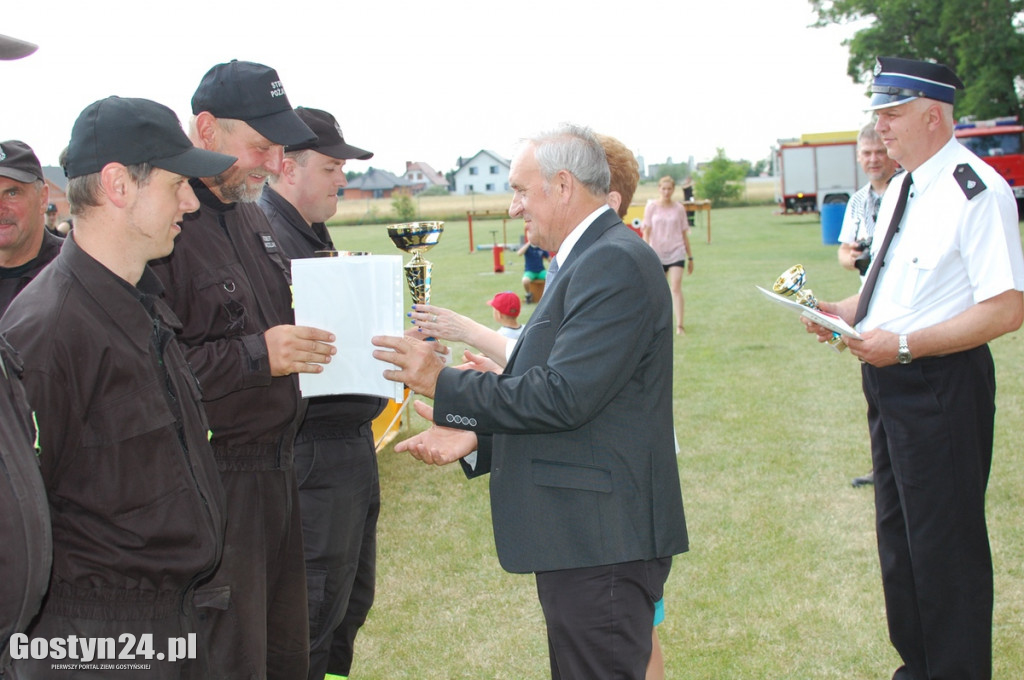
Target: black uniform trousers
x=339, y=493
x=599, y=619
x=931, y=425
x=252, y=613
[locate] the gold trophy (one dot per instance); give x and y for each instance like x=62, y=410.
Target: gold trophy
x=417, y=238
x=791, y=285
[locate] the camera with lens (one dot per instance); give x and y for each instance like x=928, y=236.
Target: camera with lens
x=864, y=259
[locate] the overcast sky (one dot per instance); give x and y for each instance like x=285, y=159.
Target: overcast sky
x=432, y=81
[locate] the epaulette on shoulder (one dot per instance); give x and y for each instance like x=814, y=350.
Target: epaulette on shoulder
x=968, y=180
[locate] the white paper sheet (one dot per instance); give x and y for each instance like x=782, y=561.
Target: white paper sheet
x=355, y=298
x=829, y=321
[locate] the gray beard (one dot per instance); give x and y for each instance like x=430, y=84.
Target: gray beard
x=239, y=193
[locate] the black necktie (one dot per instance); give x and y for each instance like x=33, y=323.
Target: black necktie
x=894, y=226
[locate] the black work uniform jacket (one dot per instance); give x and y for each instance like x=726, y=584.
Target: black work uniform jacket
x=14, y=279
x=135, y=498
x=24, y=514
x=226, y=280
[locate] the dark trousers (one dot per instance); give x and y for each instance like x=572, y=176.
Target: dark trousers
x=599, y=619
x=252, y=613
x=339, y=495
x=931, y=425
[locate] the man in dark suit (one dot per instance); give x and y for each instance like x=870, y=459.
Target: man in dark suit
x=577, y=432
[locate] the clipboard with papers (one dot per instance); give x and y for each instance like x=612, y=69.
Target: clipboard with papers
x=829, y=321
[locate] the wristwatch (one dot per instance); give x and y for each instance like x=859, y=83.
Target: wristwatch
x=904, y=352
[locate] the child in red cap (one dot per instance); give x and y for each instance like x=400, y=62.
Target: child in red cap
x=506, y=312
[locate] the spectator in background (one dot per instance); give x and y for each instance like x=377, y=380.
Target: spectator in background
x=228, y=282
x=667, y=231
x=335, y=456
x=625, y=173
x=533, y=267
x=137, y=507
x=51, y=220
x=862, y=209
x=506, y=313
x=26, y=245
x=859, y=221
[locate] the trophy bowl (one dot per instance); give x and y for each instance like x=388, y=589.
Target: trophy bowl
x=791, y=284
x=417, y=238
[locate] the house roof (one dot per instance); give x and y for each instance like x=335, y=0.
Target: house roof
x=431, y=175
x=56, y=175
x=377, y=180
x=485, y=152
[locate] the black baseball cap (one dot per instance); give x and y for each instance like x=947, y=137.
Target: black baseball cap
x=898, y=81
x=133, y=131
x=244, y=90
x=12, y=48
x=330, y=141
x=18, y=162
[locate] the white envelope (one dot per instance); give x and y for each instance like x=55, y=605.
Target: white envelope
x=356, y=298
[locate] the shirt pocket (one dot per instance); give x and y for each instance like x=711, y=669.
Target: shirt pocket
x=130, y=450
x=918, y=271
x=222, y=292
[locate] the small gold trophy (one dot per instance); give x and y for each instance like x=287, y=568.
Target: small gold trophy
x=791, y=284
x=417, y=238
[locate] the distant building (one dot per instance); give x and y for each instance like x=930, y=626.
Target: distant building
x=375, y=183
x=58, y=183
x=421, y=176
x=484, y=173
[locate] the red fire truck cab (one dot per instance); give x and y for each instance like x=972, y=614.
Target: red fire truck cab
x=999, y=143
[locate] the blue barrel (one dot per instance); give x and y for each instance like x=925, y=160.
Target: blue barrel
x=832, y=222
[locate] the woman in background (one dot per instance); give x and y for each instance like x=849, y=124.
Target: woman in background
x=666, y=229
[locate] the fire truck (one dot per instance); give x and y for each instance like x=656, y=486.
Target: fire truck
x=998, y=142
x=817, y=168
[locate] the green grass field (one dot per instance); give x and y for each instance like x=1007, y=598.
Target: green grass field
x=782, y=580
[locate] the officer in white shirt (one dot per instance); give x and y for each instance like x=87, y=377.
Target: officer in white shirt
x=944, y=281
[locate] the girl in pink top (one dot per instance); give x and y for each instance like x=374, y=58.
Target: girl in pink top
x=667, y=230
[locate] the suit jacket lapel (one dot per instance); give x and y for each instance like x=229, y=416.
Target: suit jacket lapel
x=603, y=223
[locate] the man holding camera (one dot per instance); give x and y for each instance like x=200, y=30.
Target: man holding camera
x=859, y=220
x=861, y=211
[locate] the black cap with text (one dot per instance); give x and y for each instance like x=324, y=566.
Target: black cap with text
x=244, y=90
x=134, y=131
x=18, y=162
